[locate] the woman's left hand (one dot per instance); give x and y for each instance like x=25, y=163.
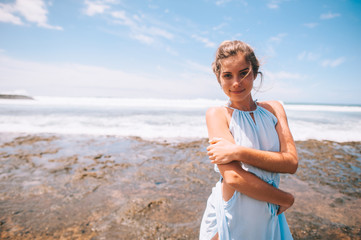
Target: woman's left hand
x=221, y=151
x=283, y=208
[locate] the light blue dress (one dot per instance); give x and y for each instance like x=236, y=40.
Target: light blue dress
x=243, y=217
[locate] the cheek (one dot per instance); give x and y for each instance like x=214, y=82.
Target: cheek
x=223, y=84
x=250, y=81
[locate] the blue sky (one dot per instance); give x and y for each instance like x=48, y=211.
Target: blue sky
x=310, y=50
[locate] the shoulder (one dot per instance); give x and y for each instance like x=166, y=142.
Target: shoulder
x=216, y=112
x=219, y=113
x=275, y=107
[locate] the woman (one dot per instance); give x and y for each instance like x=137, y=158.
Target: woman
x=250, y=144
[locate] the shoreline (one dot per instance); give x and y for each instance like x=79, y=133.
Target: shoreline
x=170, y=140
x=95, y=187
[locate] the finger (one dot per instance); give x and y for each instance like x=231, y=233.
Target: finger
x=218, y=162
x=214, y=140
x=281, y=210
x=211, y=146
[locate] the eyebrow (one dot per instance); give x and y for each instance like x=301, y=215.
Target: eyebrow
x=247, y=68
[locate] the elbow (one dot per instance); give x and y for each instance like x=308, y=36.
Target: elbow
x=293, y=164
x=293, y=169
x=233, y=179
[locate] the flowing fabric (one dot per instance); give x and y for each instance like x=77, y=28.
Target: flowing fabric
x=242, y=217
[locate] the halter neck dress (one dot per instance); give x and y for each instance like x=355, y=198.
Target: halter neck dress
x=242, y=217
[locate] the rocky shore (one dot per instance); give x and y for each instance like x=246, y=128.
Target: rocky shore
x=107, y=187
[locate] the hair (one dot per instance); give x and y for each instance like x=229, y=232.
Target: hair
x=231, y=48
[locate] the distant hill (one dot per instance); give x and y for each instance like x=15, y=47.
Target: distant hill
x=14, y=96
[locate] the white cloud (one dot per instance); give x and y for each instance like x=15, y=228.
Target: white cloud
x=6, y=14
x=160, y=32
x=140, y=31
x=40, y=77
x=71, y=79
x=309, y=56
x=274, y=4
x=278, y=38
x=334, y=62
x=204, y=40
x=119, y=14
x=329, y=15
x=95, y=7
x=143, y=38
x=16, y=92
x=33, y=11
x=219, y=27
x=221, y=2
x=137, y=18
x=124, y=19
x=310, y=25
x=139, y=26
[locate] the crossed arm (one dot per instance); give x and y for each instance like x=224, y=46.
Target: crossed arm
x=223, y=151
x=226, y=154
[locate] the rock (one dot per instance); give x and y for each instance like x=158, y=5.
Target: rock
x=15, y=96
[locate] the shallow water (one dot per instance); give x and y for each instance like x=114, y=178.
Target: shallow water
x=108, y=187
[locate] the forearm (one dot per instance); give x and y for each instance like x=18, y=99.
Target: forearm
x=252, y=186
x=282, y=162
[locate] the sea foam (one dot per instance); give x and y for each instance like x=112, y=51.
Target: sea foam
x=161, y=118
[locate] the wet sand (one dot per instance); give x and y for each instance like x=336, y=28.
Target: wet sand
x=107, y=187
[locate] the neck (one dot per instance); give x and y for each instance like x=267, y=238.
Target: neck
x=248, y=105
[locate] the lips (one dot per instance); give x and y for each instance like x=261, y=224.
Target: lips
x=237, y=91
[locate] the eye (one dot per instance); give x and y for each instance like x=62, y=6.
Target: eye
x=227, y=76
x=243, y=74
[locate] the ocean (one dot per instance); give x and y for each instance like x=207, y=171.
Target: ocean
x=162, y=119
x=98, y=168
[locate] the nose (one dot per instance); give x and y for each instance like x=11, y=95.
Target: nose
x=238, y=81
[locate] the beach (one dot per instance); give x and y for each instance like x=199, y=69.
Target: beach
x=79, y=186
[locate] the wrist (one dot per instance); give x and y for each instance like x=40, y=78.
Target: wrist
x=290, y=199
x=238, y=153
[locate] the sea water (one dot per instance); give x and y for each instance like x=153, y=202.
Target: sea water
x=162, y=118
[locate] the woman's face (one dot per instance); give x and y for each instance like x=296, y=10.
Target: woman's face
x=236, y=78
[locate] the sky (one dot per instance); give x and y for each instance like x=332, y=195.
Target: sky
x=310, y=51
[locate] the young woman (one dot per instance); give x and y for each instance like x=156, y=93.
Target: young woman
x=250, y=144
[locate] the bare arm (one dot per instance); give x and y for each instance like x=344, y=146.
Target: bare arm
x=223, y=151
x=233, y=174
